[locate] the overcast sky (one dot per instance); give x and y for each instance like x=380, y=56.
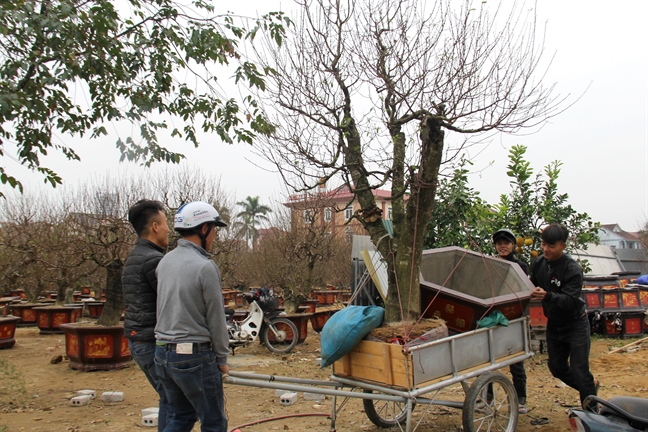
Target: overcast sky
x=602, y=140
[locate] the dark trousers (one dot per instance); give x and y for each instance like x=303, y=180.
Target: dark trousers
x=568, y=346
x=519, y=381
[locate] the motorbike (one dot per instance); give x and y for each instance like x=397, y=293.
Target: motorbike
x=621, y=414
x=278, y=334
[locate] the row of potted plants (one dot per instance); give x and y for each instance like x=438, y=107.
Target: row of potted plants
x=89, y=346
x=104, y=347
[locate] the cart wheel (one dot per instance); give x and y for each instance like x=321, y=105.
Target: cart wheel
x=485, y=412
x=280, y=336
x=384, y=413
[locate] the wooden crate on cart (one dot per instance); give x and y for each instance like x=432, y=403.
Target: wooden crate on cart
x=435, y=361
x=377, y=362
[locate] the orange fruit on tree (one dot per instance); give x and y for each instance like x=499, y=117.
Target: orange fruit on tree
x=534, y=253
x=520, y=241
x=528, y=241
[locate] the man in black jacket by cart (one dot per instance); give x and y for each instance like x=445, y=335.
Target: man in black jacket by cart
x=558, y=280
x=139, y=285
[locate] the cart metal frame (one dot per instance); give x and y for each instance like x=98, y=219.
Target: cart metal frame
x=436, y=365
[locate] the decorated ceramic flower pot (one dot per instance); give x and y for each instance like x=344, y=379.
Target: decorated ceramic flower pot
x=8, y=330
x=49, y=318
x=93, y=347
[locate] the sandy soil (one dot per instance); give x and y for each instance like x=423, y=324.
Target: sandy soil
x=36, y=396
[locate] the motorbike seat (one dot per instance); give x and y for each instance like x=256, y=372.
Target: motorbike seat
x=638, y=407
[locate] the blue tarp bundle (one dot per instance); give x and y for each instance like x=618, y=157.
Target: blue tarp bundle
x=346, y=328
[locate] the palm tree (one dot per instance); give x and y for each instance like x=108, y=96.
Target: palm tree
x=252, y=215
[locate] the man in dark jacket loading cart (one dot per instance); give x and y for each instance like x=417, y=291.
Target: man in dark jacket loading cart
x=139, y=285
x=558, y=280
x=504, y=241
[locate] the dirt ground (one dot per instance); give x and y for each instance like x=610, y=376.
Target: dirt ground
x=41, y=391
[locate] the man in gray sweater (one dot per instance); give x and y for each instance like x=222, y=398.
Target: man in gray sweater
x=191, y=331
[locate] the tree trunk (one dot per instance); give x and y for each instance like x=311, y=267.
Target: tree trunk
x=292, y=303
x=61, y=285
x=404, y=296
x=114, y=304
x=403, y=251
x=68, y=298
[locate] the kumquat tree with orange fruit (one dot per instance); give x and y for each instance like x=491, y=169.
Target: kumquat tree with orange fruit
x=462, y=218
x=534, y=202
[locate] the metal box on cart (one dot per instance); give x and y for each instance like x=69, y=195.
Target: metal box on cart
x=461, y=287
x=435, y=362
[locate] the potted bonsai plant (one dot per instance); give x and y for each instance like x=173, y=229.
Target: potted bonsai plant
x=101, y=345
x=105, y=238
x=60, y=266
x=297, y=257
x=34, y=285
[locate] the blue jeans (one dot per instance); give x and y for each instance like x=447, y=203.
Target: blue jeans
x=144, y=355
x=193, y=385
x=568, y=347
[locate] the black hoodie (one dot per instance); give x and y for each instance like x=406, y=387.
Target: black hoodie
x=563, y=281
x=522, y=264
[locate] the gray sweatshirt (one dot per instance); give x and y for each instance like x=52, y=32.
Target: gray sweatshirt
x=190, y=300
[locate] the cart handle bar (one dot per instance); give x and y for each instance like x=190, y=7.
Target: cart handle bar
x=333, y=392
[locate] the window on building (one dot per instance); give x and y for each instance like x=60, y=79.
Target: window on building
x=348, y=234
x=348, y=212
x=328, y=215
x=389, y=213
x=308, y=216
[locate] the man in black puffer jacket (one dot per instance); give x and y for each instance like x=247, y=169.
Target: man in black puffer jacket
x=558, y=280
x=139, y=285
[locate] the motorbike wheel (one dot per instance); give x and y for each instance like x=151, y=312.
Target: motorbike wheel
x=491, y=405
x=280, y=335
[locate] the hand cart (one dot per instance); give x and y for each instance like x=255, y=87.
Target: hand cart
x=392, y=380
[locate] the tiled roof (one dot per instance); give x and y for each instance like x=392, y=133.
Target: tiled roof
x=626, y=235
x=341, y=193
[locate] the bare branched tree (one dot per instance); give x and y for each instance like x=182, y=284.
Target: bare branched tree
x=364, y=93
x=19, y=245
x=79, y=233
x=37, y=245
x=104, y=235
x=177, y=186
x=299, y=257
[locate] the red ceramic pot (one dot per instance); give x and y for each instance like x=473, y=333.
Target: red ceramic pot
x=92, y=347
